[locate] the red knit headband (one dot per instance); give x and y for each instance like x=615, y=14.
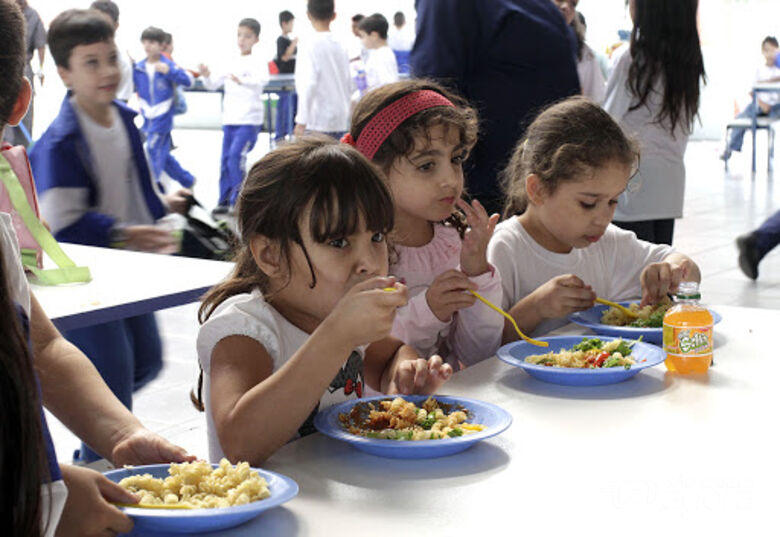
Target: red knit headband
x=387, y=120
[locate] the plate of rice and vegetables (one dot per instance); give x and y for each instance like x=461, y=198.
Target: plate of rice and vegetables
x=583, y=361
x=610, y=321
x=412, y=426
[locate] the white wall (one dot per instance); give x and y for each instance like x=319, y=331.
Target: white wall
x=731, y=33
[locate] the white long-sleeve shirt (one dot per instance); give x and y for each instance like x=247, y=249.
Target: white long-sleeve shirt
x=381, y=67
x=323, y=83
x=243, y=103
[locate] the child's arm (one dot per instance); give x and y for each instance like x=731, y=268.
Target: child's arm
x=257, y=410
x=73, y=390
x=210, y=83
x=557, y=298
x=177, y=75
x=391, y=367
x=659, y=279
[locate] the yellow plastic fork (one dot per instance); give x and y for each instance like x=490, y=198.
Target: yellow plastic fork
x=622, y=308
x=495, y=308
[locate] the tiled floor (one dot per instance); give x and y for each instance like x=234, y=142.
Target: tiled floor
x=718, y=207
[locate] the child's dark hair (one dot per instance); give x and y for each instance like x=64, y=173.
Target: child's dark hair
x=357, y=17
x=12, y=57
x=108, y=7
x=167, y=39
x=568, y=139
x=22, y=454
x=375, y=23
x=321, y=10
x=665, y=49
x=285, y=16
x=76, y=27
x=333, y=181
x=772, y=40
x=401, y=142
x=252, y=24
x=153, y=33
x=399, y=19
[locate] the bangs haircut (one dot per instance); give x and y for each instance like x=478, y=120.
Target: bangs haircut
x=12, y=57
x=401, y=142
x=152, y=33
x=76, y=27
x=252, y=24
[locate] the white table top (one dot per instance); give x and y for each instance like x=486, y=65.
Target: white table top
x=125, y=284
x=659, y=454
x=768, y=86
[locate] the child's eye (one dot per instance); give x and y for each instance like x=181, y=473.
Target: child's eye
x=587, y=206
x=378, y=237
x=613, y=202
x=92, y=63
x=339, y=243
x=425, y=167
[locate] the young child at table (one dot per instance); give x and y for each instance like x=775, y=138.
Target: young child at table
x=156, y=80
x=419, y=134
x=242, y=110
x=96, y=188
x=304, y=319
x=322, y=77
x=40, y=495
x=557, y=250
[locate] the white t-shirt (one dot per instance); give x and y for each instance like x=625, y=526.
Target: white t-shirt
x=402, y=39
x=381, y=67
x=125, y=89
x=764, y=73
x=118, y=186
x=657, y=191
x=591, y=78
x=243, y=103
x=20, y=294
x=248, y=314
x=611, y=266
x=323, y=83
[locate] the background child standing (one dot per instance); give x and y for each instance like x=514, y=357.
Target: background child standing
x=286, y=50
x=557, y=250
x=381, y=66
x=242, y=110
x=420, y=135
x=156, y=78
x=304, y=319
x=322, y=77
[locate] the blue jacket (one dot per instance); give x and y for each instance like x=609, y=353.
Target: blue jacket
x=60, y=159
x=156, y=99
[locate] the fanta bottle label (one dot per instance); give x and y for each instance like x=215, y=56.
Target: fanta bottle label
x=688, y=340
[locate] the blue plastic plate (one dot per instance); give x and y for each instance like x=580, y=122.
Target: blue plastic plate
x=200, y=520
x=495, y=419
x=591, y=318
x=515, y=354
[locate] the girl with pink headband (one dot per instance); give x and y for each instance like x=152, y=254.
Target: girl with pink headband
x=420, y=134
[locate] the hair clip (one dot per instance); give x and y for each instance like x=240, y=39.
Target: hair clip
x=347, y=139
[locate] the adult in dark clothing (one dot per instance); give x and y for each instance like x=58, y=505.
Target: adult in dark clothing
x=510, y=58
x=35, y=39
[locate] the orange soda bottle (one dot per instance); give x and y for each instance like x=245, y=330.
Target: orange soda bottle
x=688, y=332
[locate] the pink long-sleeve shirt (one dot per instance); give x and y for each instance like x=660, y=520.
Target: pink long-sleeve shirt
x=473, y=334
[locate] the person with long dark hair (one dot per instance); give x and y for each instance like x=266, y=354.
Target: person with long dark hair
x=654, y=93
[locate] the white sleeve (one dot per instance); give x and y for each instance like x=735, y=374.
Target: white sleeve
x=213, y=82
x=618, y=96
x=629, y=256
x=501, y=255
x=238, y=319
x=305, y=80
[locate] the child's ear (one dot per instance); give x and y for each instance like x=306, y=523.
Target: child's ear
x=64, y=73
x=21, y=104
x=267, y=255
x=534, y=189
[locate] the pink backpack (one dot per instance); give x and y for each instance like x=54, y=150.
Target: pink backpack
x=17, y=158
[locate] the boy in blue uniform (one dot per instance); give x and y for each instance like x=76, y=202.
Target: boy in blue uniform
x=156, y=78
x=96, y=188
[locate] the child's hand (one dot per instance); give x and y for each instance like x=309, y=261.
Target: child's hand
x=234, y=78
x=87, y=510
x=366, y=313
x=178, y=202
x=161, y=67
x=659, y=279
x=299, y=130
x=204, y=70
x=449, y=293
x=149, y=239
x=420, y=376
x=473, y=254
x=562, y=296
x=142, y=446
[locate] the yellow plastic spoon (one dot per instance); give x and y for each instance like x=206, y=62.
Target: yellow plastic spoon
x=622, y=308
x=492, y=306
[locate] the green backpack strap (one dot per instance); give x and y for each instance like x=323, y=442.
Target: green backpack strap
x=67, y=272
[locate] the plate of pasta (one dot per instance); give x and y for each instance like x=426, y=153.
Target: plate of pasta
x=412, y=426
x=609, y=321
x=582, y=361
x=198, y=497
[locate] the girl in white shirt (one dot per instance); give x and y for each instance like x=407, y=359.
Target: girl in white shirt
x=556, y=250
x=303, y=321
